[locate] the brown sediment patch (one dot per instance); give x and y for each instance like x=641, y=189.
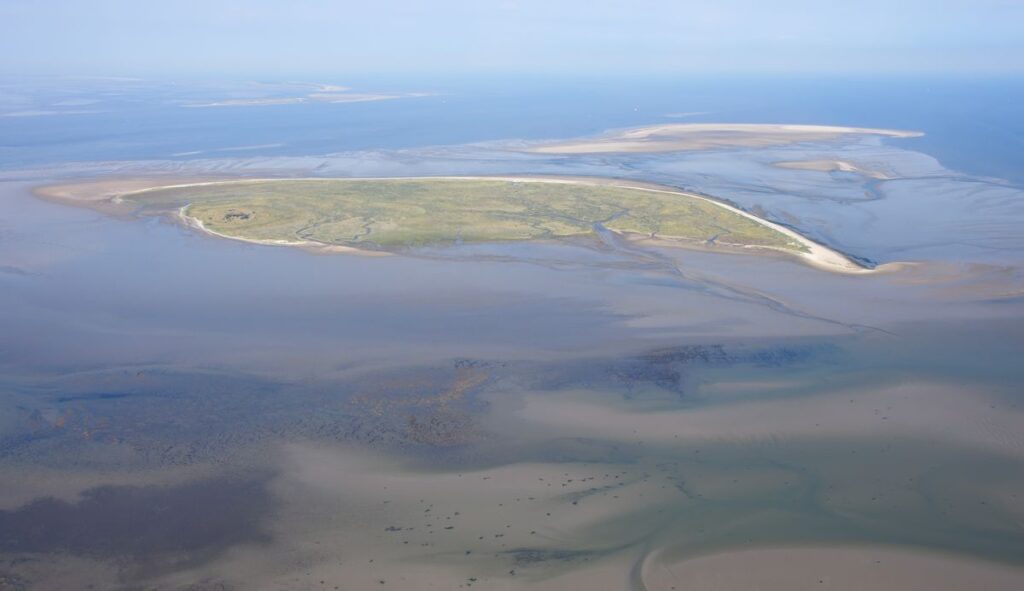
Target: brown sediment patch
x=415, y=391
x=422, y=410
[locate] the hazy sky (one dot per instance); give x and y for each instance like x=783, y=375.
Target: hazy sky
x=265, y=37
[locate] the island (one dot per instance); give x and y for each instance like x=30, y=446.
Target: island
x=386, y=215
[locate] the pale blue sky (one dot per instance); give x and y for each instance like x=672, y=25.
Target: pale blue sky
x=321, y=37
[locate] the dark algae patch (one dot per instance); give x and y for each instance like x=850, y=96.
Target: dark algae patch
x=155, y=527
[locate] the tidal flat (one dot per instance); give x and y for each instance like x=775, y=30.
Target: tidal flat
x=181, y=411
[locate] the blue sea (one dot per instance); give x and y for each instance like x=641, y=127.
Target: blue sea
x=975, y=125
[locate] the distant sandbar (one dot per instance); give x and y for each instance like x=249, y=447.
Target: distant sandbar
x=706, y=136
x=833, y=166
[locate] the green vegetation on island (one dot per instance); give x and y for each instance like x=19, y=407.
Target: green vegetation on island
x=381, y=214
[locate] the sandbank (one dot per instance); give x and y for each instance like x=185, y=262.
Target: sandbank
x=704, y=136
x=832, y=166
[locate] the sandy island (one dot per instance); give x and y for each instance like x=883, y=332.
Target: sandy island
x=704, y=136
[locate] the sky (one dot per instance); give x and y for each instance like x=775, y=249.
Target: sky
x=330, y=37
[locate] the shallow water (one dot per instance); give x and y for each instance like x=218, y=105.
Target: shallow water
x=536, y=415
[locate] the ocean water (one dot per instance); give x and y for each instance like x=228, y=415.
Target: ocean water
x=974, y=125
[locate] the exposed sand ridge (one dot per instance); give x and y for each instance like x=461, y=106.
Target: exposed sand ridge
x=673, y=137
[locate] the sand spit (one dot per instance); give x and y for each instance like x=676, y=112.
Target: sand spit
x=96, y=194
x=833, y=166
x=706, y=136
x=96, y=191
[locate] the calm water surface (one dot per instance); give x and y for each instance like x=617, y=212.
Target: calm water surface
x=502, y=411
